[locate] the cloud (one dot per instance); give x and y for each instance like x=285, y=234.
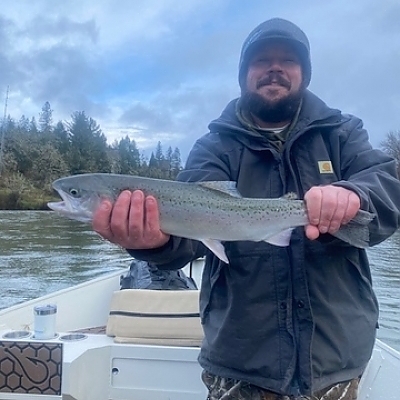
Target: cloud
x=162, y=70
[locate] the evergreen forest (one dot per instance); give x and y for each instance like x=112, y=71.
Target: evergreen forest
x=35, y=153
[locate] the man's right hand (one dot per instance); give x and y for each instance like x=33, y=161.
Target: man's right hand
x=132, y=221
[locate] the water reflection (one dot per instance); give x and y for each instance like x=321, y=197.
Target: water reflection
x=41, y=253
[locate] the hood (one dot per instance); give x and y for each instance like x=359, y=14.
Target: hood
x=276, y=29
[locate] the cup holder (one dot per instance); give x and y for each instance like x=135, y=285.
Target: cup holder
x=71, y=337
x=17, y=335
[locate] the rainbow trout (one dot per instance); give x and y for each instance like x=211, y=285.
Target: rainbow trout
x=212, y=212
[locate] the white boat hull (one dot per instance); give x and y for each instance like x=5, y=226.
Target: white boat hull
x=93, y=368
x=97, y=367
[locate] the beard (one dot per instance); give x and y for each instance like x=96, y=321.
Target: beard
x=271, y=111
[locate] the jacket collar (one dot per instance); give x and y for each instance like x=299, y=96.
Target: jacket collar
x=313, y=112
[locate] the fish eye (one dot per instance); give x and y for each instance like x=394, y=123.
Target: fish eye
x=73, y=192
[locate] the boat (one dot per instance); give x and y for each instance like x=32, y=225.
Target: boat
x=90, y=357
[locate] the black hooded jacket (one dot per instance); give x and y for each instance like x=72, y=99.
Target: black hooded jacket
x=303, y=317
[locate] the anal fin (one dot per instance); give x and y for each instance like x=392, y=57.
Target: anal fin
x=217, y=248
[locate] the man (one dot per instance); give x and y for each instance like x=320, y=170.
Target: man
x=279, y=323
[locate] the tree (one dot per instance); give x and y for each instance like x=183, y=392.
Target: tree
x=61, y=139
x=7, y=126
x=391, y=146
x=176, y=165
x=23, y=123
x=46, y=118
x=159, y=153
x=18, y=148
x=143, y=163
x=33, y=126
x=88, y=145
x=153, y=162
x=168, y=155
x=48, y=165
x=128, y=156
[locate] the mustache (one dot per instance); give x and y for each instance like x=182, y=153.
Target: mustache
x=273, y=76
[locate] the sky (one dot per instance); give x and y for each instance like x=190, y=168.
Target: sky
x=161, y=70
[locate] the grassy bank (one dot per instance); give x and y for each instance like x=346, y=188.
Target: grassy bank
x=27, y=200
x=17, y=193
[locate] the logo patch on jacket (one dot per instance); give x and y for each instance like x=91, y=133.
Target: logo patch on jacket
x=325, y=167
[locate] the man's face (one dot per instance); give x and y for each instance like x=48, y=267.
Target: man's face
x=274, y=71
x=273, y=82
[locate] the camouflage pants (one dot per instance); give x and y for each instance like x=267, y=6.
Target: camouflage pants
x=231, y=389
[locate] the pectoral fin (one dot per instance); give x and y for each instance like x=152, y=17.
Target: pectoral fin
x=217, y=248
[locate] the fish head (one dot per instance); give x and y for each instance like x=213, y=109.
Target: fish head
x=79, y=200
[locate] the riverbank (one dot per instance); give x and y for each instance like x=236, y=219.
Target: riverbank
x=19, y=193
x=26, y=200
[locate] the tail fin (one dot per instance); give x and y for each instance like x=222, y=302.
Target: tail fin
x=356, y=232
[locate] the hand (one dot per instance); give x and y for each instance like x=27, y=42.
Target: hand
x=132, y=222
x=328, y=208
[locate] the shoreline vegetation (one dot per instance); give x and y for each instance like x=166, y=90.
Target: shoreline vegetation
x=18, y=193
x=34, y=154
x=12, y=201
x=29, y=201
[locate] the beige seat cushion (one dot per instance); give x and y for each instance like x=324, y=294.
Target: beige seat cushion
x=164, y=317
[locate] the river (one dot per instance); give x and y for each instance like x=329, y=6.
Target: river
x=41, y=252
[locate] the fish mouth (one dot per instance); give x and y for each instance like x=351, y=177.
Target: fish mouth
x=61, y=206
x=70, y=207
x=58, y=206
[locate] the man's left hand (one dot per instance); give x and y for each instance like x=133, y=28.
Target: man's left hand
x=328, y=208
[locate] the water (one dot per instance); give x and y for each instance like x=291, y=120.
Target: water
x=41, y=253
x=385, y=266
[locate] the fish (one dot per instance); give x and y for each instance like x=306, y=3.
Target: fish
x=212, y=212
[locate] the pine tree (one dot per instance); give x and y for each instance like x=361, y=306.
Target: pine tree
x=176, y=165
x=61, y=140
x=23, y=123
x=128, y=156
x=159, y=153
x=33, y=130
x=46, y=118
x=88, y=145
x=153, y=164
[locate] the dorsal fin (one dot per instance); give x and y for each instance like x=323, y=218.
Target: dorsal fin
x=225, y=187
x=290, y=196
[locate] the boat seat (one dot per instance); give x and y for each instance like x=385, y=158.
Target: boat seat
x=160, y=317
